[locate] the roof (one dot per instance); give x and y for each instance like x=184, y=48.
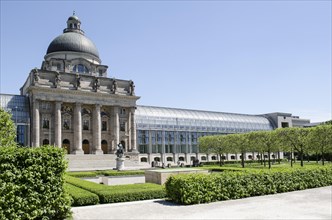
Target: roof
x=149, y=117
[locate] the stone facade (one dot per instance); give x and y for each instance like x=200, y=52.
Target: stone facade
x=74, y=104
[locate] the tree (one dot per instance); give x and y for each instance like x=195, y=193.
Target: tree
x=213, y=144
x=267, y=142
x=320, y=140
x=7, y=129
x=296, y=138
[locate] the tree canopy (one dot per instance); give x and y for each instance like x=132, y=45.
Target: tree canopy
x=7, y=129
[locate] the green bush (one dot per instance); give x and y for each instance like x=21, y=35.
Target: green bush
x=120, y=193
x=195, y=189
x=81, y=197
x=31, y=183
x=105, y=173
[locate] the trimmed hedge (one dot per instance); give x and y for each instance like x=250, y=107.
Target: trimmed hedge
x=31, y=183
x=195, y=189
x=120, y=193
x=81, y=197
x=106, y=173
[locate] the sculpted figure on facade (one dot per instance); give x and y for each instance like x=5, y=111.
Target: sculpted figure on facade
x=78, y=81
x=131, y=88
x=57, y=80
x=35, y=75
x=96, y=84
x=114, y=86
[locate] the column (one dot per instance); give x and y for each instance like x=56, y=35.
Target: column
x=163, y=147
x=116, y=130
x=96, y=130
x=78, y=129
x=36, y=124
x=133, y=131
x=57, y=125
x=129, y=146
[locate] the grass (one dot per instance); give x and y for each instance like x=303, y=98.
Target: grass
x=96, y=173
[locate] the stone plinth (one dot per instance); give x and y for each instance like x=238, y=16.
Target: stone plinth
x=120, y=163
x=160, y=176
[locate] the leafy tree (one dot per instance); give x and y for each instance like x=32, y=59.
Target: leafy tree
x=267, y=140
x=7, y=129
x=320, y=139
x=214, y=144
x=327, y=122
x=297, y=139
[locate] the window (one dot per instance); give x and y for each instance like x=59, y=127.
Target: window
x=104, y=125
x=144, y=159
x=85, y=125
x=122, y=126
x=169, y=159
x=46, y=142
x=58, y=66
x=284, y=124
x=203, y=158
x=213, y=158
x=46, y=123
x=80, y=68
x=181, y=158
x=100, y=72
x=123, y=111
x=66, y=124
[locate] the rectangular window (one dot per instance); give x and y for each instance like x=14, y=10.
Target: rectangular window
x=104, y=125
x=284, y=124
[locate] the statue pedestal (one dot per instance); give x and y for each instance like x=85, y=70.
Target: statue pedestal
x=120, y=163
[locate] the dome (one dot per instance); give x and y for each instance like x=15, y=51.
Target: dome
x=72, y=41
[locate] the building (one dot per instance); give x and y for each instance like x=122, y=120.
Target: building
x=71, y=102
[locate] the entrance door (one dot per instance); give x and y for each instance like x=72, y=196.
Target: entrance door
x=66, y=145
x=104, y=146
x=86, y=147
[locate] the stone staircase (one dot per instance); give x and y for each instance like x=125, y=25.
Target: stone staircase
x=99, y=162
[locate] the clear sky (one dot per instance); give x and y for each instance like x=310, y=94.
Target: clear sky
x=250, y=57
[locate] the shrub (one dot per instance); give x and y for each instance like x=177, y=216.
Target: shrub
x=120, y=193
x=31, y=183
x=82, y=174
x=81, y=197
x=193, y=189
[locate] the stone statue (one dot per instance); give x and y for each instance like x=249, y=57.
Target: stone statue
x=78, y=81
x=114, y=86
x=57, y=80
x=35, y=75
x=119, y=151
x=96, y=84
x=131, y=88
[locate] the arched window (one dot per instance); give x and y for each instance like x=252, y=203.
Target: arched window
x=157, y=159
x=181, y=158
x=213, y=158
x=249, y=157
x=232, y=157
x=46, y=142
x=169, y=158
x=223, y=157
x=203, y=157
x=80, y=68
x=192, y=158
x=144, y=159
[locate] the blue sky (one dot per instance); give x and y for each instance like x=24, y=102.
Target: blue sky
x=250, y=57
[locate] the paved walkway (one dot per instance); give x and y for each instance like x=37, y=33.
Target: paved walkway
x=306, y=204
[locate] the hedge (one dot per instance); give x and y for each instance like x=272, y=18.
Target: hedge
x=81, y=197
x=105, y=173
x=31, y=183
x=195, y=189
x=120, y=193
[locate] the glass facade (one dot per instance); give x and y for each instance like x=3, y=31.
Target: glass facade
x=181, y=128
x=18, y=106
